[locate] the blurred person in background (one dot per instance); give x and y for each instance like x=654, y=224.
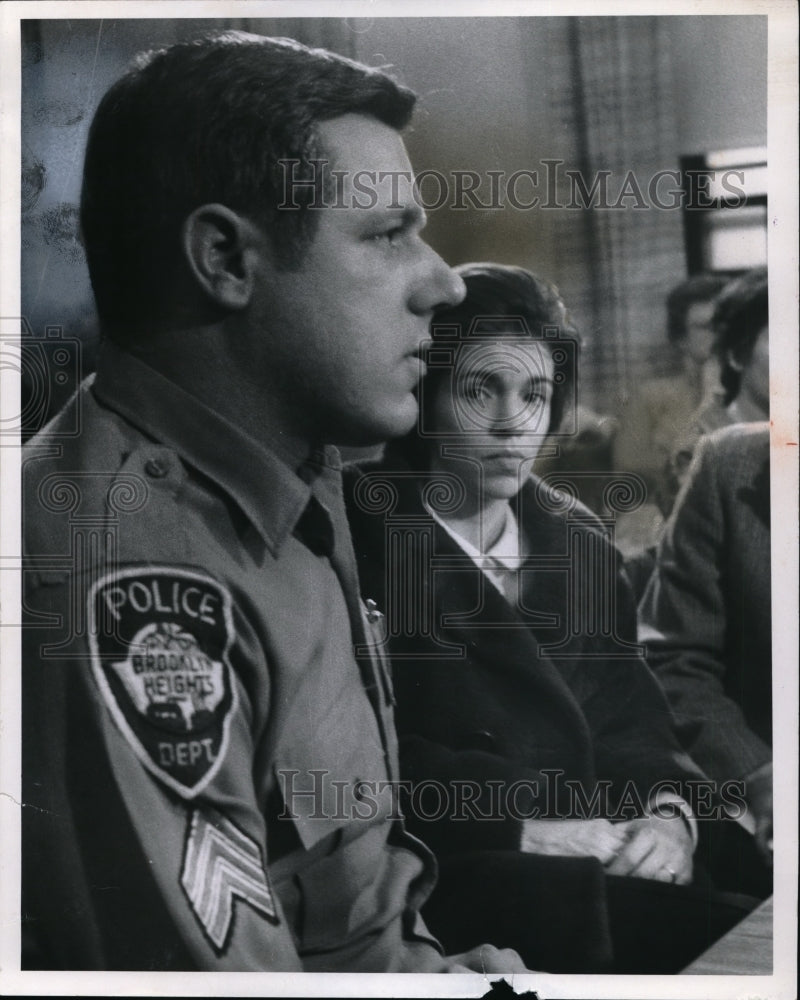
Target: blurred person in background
x=735, y=327
x=706, y=620
x=652, y=420
x=740, y=324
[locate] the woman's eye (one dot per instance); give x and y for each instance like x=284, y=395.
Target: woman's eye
x=474, y=390
x=536, y=394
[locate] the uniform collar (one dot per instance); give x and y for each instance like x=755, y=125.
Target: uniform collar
x=271, y=494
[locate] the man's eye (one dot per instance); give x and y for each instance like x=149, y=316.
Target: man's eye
x=390, y=236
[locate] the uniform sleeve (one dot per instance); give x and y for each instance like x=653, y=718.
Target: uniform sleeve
x=683, y=622
x=144, y=846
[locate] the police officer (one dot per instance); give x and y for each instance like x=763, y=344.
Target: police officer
x=208, y=763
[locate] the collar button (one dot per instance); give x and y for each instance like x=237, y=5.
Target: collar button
x=156, y=468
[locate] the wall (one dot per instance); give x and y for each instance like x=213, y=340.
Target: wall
x=719, y=72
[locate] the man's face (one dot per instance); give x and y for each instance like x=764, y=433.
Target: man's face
x=343, y=331
x=496, y=409
x=699, y=335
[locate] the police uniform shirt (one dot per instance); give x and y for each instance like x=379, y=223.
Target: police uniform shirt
x=189, y=682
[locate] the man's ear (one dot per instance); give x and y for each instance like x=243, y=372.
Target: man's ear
x=223, y=249
x=733, y=362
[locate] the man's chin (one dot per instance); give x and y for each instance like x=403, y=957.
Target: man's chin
x=379, y=430
x=390, y=424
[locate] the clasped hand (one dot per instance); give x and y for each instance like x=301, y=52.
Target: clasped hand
x=651, y=847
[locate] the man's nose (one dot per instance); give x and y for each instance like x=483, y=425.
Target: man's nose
x=438, y=287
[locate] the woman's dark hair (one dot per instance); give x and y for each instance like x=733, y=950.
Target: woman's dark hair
x=500, y=297
x=228, y=118
x=740, y=314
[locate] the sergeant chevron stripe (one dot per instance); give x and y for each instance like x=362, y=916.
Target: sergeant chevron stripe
x=220, y=864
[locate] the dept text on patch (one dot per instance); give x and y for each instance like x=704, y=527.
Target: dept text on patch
x=160, y=637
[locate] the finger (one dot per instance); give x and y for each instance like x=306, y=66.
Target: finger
x=667, y=863
x=679, y=871
x=606, y=852
x=509, y=961
x=597, y=838
x=486, y=958
x=656, y=865
x=572, y=838
x=634, y=851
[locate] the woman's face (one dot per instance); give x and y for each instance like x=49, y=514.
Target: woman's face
x=493, y=411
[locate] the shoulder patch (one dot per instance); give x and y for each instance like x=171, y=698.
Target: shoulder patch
x=221, y=864
x=159, y=638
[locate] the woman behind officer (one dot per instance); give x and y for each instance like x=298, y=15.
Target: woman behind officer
x=536, y=744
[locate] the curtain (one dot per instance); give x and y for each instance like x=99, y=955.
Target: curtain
x=611, y=105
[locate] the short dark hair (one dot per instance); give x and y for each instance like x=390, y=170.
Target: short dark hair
x=740, y=314
x=499, y=295
x=206, y=121
x=699, y=288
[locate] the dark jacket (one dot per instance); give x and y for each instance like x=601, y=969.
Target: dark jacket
x=526, y=710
